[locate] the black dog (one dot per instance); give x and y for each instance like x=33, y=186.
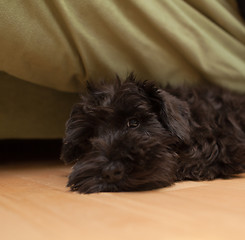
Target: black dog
x=134, y=136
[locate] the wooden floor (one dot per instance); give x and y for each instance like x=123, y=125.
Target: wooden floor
x=35, y=204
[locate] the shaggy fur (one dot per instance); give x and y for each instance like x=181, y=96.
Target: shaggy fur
x=132, y=135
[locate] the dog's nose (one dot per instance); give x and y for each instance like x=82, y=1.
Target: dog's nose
x=113, y=172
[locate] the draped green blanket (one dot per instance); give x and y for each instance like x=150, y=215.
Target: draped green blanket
x=57, y=45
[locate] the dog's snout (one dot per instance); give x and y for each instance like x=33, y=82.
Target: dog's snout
x=113, y=172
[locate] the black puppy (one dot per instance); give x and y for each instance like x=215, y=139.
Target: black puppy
x=131, y=135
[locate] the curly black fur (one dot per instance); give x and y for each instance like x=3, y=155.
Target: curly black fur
x=132, y=135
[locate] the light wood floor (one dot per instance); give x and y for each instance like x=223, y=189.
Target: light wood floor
x=35, y=204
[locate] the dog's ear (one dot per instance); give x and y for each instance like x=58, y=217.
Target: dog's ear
x=77, y=133
x=173, y=113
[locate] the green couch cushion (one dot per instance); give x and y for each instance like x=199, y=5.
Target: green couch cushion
x=31, y=111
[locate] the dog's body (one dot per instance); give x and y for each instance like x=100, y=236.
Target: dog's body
x=134, y=136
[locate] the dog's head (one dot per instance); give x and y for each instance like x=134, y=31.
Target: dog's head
x=122, y=137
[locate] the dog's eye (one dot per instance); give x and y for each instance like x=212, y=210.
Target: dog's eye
x=133, y=123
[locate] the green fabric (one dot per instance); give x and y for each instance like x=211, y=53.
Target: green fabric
x=56, y=45
x=31, y=111
x=60, y=43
